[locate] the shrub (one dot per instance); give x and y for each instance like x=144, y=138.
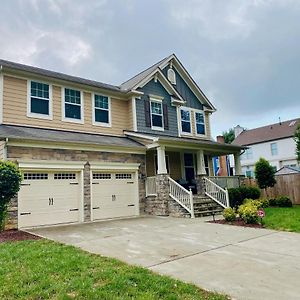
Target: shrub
x=10, y=180
x=229, y=214
x=235, y=197
x=248, y=213
x=272, y=202
x=284, y=201
x=264, y=202
x=238, y=195
x=257, y=203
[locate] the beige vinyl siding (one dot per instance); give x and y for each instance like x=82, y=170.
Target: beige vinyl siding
x=130, y=116
x=2, y=146
x=207, y=124
x=15, y=110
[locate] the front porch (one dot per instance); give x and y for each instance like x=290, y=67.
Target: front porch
x=180, y=175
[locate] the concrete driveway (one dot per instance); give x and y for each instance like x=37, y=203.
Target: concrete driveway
x=245, y=263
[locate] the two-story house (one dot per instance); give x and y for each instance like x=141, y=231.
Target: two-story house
x=90, y=151
x=274, y=142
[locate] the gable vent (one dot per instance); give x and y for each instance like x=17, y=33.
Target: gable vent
x=171, y=76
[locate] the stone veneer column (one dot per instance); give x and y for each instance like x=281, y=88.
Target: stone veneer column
x=87, y=193
x=162, y=199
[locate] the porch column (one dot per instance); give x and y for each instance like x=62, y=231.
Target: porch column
x=200, y=163
x=237, y=163
x=161, y=160
x=200, y=172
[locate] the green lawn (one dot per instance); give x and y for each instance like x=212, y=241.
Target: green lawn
x=283, y=218
x=46, y=270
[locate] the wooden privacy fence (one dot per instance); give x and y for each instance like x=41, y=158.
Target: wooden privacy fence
x=288, y=185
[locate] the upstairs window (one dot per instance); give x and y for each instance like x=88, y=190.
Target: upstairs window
x=156, y=115
x=185, y=120
x=101, y=110
x=39, y=100
x=274, y=149
x=73, y=105
x=199, y=122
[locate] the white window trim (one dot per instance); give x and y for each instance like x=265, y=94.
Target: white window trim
x=276, y=149
x=157, y=100
x=35, y=115
x=94, y=111
x=204, y=123
x=180, y=121
x=71, y=120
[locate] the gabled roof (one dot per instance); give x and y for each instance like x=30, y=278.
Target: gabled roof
x=132, y=82
x=267, y=133
x=288, y=170
x=125, y=87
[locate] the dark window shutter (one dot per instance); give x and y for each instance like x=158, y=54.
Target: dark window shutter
x=147, y=113
x=166, y=117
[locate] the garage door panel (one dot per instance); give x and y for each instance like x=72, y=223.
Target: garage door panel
x=49, y=197
x=114, y=195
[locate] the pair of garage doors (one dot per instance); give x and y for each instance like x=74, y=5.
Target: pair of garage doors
x=55, y=197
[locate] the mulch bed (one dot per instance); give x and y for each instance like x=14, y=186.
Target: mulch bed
x=16, y=235
x=238, y=222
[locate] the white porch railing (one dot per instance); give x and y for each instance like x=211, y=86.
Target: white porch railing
x=216, y=193
x=181, y=196
x=150, y=186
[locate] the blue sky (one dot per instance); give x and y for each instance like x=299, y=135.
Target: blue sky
x=244, y=54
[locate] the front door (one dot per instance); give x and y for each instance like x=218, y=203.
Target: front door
x=189, y=167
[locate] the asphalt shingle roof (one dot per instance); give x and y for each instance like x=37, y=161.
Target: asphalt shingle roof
x=50, y=135
x=267, y=133
x=39, y=71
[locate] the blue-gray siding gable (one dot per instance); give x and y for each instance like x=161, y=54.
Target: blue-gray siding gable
x=184, y=90
x=156, y=88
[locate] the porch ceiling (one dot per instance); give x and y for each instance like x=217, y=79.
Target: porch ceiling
x=180, y=143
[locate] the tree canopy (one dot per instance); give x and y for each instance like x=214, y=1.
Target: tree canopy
x=264, y=174
x=228, y=136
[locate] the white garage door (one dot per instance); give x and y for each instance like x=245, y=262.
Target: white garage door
x=114, y=195
x=48, y=197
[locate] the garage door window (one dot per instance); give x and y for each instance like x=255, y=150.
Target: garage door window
x=101, y=176
x=123, y=176
x=64, y=176
x=35, y=176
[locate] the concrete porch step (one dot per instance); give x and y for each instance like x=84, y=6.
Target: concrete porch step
x=207, y=213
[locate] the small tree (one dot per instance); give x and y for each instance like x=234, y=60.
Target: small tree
x=10, y=180
x=264, y=174
x=297, y=141
x=228, y=136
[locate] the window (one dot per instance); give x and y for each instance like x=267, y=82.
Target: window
x=102, y=110
x=39, y=100
x=35, y=176
x=60, y=176
x=123, y=176
x=248, y=154
x=101, y=176
x=199, y=122
x=156, y=115
x=185, y=120
x=72, y=105
x=274, y=149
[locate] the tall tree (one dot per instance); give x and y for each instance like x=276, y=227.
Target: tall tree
x=264, y=174
x=228, y=136
x=297, y=141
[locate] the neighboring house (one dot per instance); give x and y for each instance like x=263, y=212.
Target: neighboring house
x=288, y=170
x=273, y=142
x=86, y=149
